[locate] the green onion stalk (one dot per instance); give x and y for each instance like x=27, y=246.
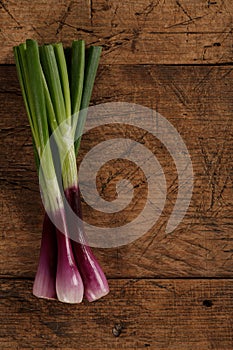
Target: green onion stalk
x=53, y=91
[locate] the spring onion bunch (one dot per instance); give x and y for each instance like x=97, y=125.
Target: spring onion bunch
x=56, y=86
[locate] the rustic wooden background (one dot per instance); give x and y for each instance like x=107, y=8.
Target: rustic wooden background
x=167, y=291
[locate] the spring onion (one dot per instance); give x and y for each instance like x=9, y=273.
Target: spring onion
x=53, y=87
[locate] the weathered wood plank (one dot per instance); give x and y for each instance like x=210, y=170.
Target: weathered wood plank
x=198, y=102
x=158, y=314
x=147, y=32
x=176, y=16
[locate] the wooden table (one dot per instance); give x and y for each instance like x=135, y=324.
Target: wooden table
x=167, y=291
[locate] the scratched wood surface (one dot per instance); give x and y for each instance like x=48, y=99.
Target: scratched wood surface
x=141, y=31
x=167, y=291
x=154, y=314
x=202, y=244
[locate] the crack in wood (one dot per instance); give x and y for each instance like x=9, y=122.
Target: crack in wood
x=183, y=10
x=211, y=3
x=64, y=17
x=148, y=9
x=91, y=12
x=5, y=8
x=186, y=23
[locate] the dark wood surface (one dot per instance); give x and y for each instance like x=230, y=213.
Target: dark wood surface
x=138, y=314
x=144, y=31
x=167, y=291
x=202, y=244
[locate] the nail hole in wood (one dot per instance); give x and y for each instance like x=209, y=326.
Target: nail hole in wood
x=207, y=303
x=116, y=331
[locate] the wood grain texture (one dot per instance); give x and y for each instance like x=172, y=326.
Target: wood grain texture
x=138, y=314
x=202, y=243
x=148, y=32
x=167, y=291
